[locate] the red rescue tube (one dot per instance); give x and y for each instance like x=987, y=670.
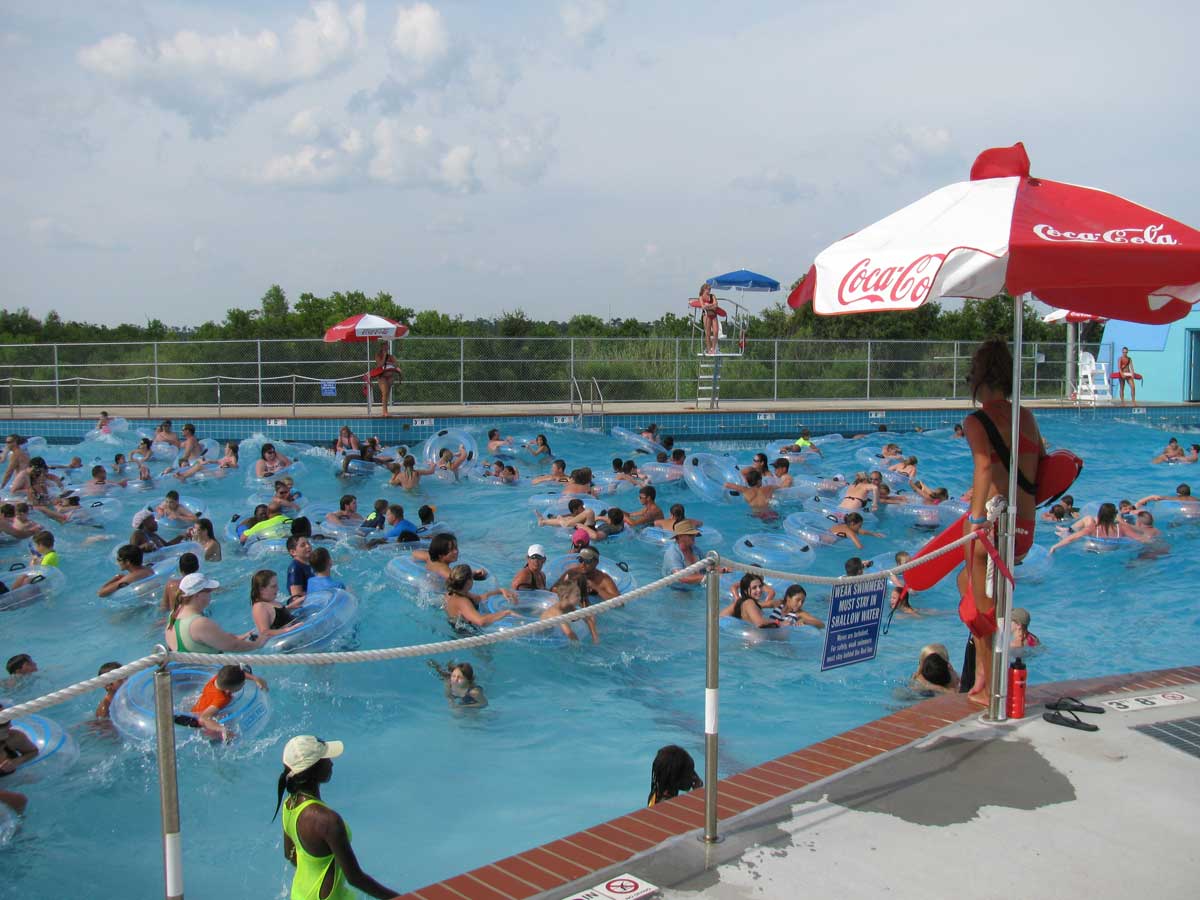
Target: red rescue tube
x=1057, y=471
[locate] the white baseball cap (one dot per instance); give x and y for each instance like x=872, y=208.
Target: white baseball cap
x=141, y=516
x=536, y=550
x=193, y=584
x=304, y=751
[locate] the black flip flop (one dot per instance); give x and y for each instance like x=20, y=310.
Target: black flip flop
x=1071, y=704
x=1058, y=718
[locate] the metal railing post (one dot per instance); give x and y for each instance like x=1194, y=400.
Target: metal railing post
x=954, y=381
x=775, y=373
x=147, y=396
x=868, y=370
x=712, y=665
x=56, y=376
x=157, y=399
x=1035, y=368
x=294, y=395
x=11, y=414
x=676, y=370
x=258, y=345
x=218, y=395
x=572, y=362
x=168, y=785
x=78, y=400
x=462, y=371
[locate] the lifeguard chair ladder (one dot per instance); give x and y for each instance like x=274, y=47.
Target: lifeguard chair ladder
x=731, y=342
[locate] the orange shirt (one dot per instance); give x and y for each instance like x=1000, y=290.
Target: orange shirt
x=212, y=696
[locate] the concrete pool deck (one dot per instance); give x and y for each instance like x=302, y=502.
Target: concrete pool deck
x=926, y=802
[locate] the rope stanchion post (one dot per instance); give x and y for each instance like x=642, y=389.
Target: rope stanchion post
x=168, y=784
x=712, y=664
x=997, y=711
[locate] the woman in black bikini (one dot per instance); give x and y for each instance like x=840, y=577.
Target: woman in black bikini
x=745, y=605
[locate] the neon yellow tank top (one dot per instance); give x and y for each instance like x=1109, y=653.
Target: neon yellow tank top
x=310, y=870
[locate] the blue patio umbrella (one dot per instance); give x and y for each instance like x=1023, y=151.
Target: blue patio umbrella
x=744, y=280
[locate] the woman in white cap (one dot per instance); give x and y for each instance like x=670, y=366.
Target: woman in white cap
x=189, y=631
x=531, y=577
x=316, y=840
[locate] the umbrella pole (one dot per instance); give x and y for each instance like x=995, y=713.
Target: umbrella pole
x=998, y=701
x=370, y=384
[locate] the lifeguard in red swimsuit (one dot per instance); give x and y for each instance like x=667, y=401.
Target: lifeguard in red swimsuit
x=708, y=306
x=1125, y=373
x=986, y=431
x=386, y=369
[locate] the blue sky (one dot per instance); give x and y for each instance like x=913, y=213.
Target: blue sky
x=173, y=159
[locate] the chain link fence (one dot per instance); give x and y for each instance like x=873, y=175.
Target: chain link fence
x=480, y=371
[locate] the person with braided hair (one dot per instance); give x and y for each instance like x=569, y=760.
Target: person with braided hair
x=673, y=772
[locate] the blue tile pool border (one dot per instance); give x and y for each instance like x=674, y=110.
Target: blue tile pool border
x=693, y=425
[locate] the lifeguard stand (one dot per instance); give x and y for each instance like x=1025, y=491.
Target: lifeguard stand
x=731, y=341
x=731, y=334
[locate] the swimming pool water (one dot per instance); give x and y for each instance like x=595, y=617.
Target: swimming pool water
x=570, y=731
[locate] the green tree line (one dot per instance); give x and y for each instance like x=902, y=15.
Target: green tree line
x=510, y=357
x=275, y=317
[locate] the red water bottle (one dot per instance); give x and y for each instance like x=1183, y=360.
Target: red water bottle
x=1018, y=676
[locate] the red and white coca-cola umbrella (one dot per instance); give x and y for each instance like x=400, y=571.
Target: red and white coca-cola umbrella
x=1076, y=248
x=365, y=327
x=1073, y=247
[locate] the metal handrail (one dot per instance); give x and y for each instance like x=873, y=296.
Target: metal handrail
x=596, y=392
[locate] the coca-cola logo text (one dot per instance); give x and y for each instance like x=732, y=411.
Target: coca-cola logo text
x=1150, y=234
x=903, y=284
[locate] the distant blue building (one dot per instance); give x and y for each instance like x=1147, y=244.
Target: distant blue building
x=1166, y=356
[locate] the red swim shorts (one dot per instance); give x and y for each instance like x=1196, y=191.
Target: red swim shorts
x=981, y=625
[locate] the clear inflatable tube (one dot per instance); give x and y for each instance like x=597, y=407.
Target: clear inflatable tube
x=529, y=607
x=57, y=750
x=132, y=708
x=1035, y=566
x=774, y=551
x=710, y=538
x=45, y=582
x=706, y=475
x=449, y=439
x=661, y=474
x=624, y=580
x=404, y=570
x=324, y=617
x=739, y=629
x=635, y=439
x=811, y=527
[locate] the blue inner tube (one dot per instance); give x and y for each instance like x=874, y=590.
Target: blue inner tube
x=1035, y=566
x=147, y=590
x=1178, y=511
x=1094, y=544
x=707, y=474
x=44, y=582
x=132, y=708
x=325, y=617
x=634, y=438
x=357, y=466
x=828, y=487
x=811, y=527
x=710, y=538
x=739, y=629
x=57, y=750
x=448, y=439
x=198, y=508
x=661, y=474
x=556, y=504
x=529, y=607
x=774, y=551
x=921, y=515
x=96, y=511
x=409, y=572
x=621, y=577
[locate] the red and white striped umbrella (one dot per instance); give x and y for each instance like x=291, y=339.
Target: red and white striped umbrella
x=366, y=327
x=1070, y=318
x=1073, y=247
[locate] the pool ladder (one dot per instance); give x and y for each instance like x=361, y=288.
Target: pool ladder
x=594, y=401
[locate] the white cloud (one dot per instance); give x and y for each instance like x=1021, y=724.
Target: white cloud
x=420, y=36
x=414, y=158
x=212, y=79
x=780, y=185
x=428, y=63
x=527, y=149
x=305, y=125
x=584, y=20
